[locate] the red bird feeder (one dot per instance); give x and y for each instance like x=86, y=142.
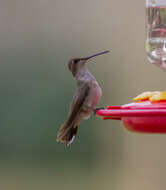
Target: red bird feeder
x=146, y=115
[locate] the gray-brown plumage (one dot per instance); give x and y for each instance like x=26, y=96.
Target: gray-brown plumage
x=86, y=98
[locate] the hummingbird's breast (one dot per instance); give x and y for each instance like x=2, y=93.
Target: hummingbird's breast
x=94, y=94
x=95, y=91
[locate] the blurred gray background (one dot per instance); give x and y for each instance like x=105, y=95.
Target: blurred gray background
x=37, y=38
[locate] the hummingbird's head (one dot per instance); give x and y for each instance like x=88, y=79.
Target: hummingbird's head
x=76, y=64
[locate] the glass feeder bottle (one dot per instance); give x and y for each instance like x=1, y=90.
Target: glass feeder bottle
x=156, y=32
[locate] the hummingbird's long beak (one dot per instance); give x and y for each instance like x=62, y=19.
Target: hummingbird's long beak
x=100, y=53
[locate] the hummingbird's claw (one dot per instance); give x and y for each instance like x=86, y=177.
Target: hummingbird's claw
x=95, y=110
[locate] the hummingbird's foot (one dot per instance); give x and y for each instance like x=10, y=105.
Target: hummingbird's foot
x=95, y=110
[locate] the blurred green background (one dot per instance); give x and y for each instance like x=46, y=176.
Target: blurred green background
x=37, y=38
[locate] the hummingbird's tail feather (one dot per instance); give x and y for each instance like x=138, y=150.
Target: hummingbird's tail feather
x=66, y=134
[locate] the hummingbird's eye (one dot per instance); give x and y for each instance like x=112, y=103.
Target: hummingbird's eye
x=75, y=61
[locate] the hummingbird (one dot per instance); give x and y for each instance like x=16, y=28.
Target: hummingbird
x=85, y=100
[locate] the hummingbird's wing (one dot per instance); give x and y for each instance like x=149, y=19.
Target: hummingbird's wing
x=78, y=100
x=68, y=130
